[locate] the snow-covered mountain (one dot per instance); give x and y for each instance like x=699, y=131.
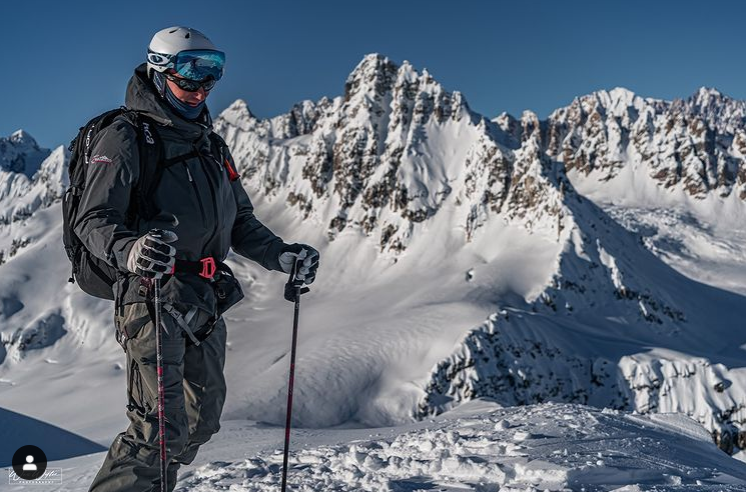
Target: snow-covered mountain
x=31, y=178
x=20, y=154
x=461, y=258
x=635, y=149
x=409, y=167
x=26, y=169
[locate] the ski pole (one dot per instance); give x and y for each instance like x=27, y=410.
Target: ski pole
x=161, y=391
x=292, y=292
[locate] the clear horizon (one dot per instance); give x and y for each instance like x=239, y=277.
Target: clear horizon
x=72, y=63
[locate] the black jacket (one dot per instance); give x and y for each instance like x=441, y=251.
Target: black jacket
x=212, y=212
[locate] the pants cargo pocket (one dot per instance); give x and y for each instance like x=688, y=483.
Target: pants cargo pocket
x=128, y=324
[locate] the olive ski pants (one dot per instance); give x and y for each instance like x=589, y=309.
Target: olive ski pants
x=194, y=396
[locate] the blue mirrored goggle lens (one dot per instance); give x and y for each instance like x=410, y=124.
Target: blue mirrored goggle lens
x=200, y=64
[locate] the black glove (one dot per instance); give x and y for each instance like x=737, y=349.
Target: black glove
x=301, y=262
x=151, y=256
x=307, y=269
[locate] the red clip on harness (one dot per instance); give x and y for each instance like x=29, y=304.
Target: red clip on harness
x=208, y=267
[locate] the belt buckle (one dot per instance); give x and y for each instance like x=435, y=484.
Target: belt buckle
x=208, y=267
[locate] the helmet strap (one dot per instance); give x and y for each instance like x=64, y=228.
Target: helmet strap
x=159, y=81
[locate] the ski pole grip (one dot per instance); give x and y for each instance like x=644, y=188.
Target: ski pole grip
x=296, y=266
x=294, y=284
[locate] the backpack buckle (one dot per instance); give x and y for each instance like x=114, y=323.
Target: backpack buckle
x=208, y=267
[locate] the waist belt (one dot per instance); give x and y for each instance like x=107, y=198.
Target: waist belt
x=205, y=268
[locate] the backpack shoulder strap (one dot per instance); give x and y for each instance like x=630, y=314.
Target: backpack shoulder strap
x=150, y=150
x=81, y=146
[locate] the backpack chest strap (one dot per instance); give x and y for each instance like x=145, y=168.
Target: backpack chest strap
x=179, y=158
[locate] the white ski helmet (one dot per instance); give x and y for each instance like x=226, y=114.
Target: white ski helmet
x=203, y=58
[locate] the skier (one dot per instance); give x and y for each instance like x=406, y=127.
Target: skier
x=201, y=210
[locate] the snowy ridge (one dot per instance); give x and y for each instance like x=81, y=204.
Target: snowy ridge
x=20, y=159
x=21, y=196
x=391, y=154
x=483, y=448
x=623, y=148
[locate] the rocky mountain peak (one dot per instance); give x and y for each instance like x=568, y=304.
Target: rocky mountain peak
x=706, y=96
x=23, y=138
x=19, y=153
x=238, y=114
x=389, y=154
x=381, y=88
x=373, y=76
x=719, y=111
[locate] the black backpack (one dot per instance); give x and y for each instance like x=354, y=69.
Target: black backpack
x=94, y=275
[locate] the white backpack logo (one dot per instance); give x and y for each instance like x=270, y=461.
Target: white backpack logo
x=148, y=135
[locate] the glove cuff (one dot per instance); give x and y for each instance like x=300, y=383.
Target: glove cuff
x=291, y=248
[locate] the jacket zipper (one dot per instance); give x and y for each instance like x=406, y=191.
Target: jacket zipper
x=196, y=192
x=214, y=198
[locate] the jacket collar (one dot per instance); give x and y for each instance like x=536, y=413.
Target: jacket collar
x=142, y=96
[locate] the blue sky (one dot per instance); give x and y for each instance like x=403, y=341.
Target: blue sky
x=67, y=61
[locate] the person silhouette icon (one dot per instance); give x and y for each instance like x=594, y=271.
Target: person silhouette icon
x=29, y=462
x=29, y=466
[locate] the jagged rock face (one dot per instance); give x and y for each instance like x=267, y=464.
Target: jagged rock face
x=355, y=151
x=510, y=360
x=504, y=361
x=390, y=153
x=694, y=144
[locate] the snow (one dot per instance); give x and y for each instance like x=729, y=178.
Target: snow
x=710, y=251
x=479, y=447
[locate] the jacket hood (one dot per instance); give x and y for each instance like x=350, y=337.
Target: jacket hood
x=142, y=96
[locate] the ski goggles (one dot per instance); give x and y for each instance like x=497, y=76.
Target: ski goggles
x=190, y=85
x=191, y=64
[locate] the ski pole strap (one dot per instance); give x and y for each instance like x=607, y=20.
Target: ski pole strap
x=183, y=321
